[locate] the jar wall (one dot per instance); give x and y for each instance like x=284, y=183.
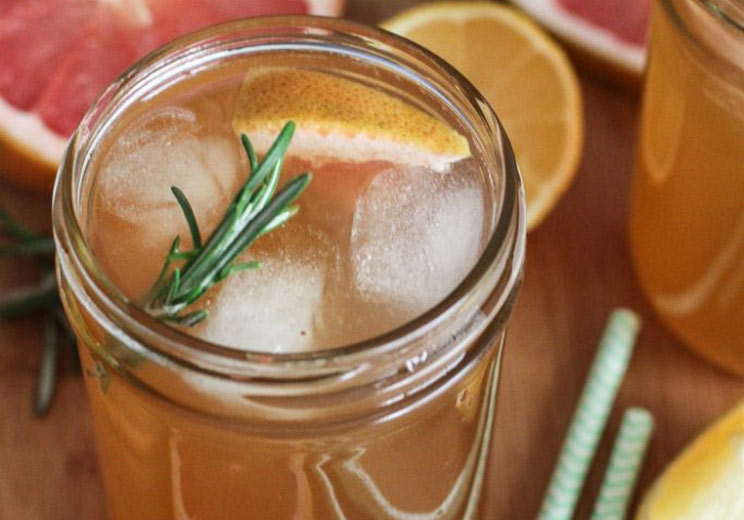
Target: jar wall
x=160, y=461
x=395, y=425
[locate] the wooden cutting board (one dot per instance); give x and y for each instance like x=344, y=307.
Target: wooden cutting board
x=578, y=269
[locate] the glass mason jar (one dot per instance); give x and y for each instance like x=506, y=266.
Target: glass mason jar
x=397, y=426
x=687, y=216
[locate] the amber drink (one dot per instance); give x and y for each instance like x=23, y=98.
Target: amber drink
x=353, y=374
x=687, y=218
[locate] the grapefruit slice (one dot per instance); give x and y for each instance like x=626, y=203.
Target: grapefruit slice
x=59, y=54
x=341, y=119
x=611, y=31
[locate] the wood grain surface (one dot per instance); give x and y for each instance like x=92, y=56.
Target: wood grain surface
x=578, y=269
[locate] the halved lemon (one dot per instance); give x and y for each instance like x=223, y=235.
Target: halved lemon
x=706, y=482
x=524, y=75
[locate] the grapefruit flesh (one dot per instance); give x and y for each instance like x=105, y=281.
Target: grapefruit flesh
x=627, y=20
x=612, y=31
x=59, y=54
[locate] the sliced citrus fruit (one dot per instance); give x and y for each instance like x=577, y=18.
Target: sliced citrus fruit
x=341, y=119
x=57, y=55
x=525, y=76
x=614, y=31
x=705, y=481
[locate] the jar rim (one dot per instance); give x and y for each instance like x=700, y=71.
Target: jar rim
x=498, y=269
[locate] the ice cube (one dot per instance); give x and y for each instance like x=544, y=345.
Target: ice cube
x=276, y=307
x=415, y=234
x=136, y=216
x=169, y=147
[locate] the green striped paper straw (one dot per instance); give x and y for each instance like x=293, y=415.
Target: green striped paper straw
x=625, y=461
x=590, y=418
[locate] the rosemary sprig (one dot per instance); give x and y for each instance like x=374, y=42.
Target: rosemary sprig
x=42, y=297
x=254, y=211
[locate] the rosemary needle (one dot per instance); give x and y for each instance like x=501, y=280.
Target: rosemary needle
x=31, y=247
x=46, y=381
x=11, y=228
x=28, y=299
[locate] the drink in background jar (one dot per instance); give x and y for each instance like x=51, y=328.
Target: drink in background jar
x=687, y=216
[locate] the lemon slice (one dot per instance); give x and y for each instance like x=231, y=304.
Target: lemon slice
x=706, y=482
x=523, y=74
x=342, y=119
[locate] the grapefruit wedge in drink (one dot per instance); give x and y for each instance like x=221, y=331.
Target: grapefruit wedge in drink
x=58, y=55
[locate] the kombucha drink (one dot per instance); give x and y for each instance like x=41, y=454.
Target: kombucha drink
x=687, y=222
x=354, y=373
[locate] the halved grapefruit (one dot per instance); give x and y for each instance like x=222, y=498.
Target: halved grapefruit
x=59, y=54
x=611, y=31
